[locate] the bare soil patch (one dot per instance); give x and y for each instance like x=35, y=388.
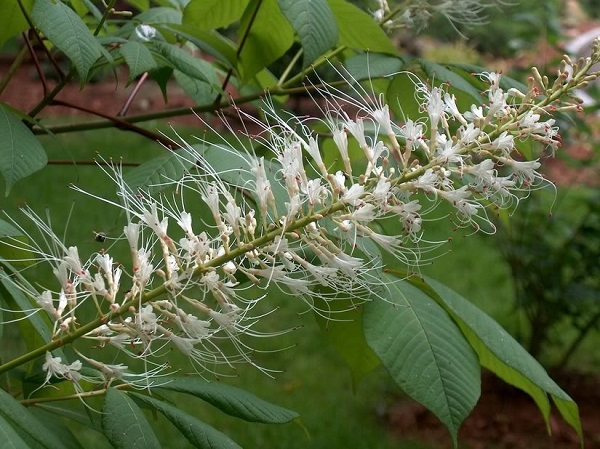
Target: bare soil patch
x=505, y=418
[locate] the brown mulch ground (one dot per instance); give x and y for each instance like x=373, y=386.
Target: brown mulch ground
x=505, y=418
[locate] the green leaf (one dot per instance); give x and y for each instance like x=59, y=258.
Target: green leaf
x=199, y=91
x=159, y=16
x=21, y=154
x=9, y=437
x=401, y=98
x=358, y=30
x=366, y=66
x=314, y=23
x=424, y=351
x=184, y=62
x=93, y=9
x=8, y=230
x=211, y=14
x=342, y=323
x=23, y=419
x=71, y=413
x=16, y=249
x=57, y=426
x=162, y=75
x=12, y=21
x=63, y=27
x=8, y=289
x=153, y=175
x=270, y=35
x=209, y=41
x=138, y=58
x=124, y=423
x=439, y=74
x=503, y=355
x=528, y=148
x=231, y=400
x=198, y=433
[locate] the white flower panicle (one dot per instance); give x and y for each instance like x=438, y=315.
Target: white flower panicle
x=286, y=221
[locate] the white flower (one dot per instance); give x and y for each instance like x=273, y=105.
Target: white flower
x=469, y=134
x=475, y=114
x=146, y=320
x=105, y=262
x=46, y=302
x=192, y=326
x=132, y=232
x=364, y=213
x=413, y=133
x=226, y=320
x=313, y=150
x=145, y=268
x=458, y=198
x=315, y=191
x=382, y=117
x=452, y=108
x=354, y=194
x=279, y=275
x=524, y=171
x=211, y=198
x=381, y=191
x=504, y=143
x=339, y=181
x=263, y=185
x=435, y=107
x=427, y=181
x=357, y=129
x=73, y=261
x=185, y=223
x=55, y=368
x=150, y=217
x=62, y=274
x=341, y=141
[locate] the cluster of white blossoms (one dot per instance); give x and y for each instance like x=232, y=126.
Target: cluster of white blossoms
x=287, y=221
x=416, y=14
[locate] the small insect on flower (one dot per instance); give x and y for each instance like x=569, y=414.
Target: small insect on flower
x=100, y=236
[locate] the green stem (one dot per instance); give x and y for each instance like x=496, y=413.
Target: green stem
x=289, y=68
x=108, y=11
x=78, y=396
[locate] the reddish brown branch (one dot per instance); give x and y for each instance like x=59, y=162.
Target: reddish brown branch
x=40, y=40
x=119, y=123
x=36, y=63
